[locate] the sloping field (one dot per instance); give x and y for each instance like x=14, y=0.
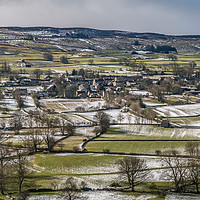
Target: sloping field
x=126, y=118
x=134, y=147
x=70, y=105
x=179, y=111
x=158, y=132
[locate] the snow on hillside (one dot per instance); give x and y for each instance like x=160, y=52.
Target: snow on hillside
x=179, y=111
x=62, y=105
x=126, y=118
x=141, y=130
x=9, y=103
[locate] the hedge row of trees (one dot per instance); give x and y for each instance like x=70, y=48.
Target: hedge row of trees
x=36, y=137
x=14, y=171
x=160, y=49
x=182, y=172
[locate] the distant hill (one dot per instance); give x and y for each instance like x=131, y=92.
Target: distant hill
x=90, y=33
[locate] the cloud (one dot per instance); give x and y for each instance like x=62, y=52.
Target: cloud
x=171, y=16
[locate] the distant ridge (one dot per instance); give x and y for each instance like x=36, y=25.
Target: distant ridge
x=90, y=32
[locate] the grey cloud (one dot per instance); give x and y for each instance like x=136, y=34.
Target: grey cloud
x=171, y=16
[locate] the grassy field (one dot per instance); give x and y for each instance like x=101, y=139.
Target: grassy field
x=143, y=143
x=186, y=120
x=70, y=143
x=129, y=137
x=150, y=132
x=33, y=53
x=66, y=163
x=97, y=168
x=135, y=147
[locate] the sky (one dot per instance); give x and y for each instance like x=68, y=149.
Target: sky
x=160, y=16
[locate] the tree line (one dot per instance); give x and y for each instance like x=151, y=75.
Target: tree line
x=182, y=172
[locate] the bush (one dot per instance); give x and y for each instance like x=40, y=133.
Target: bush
x=152, y=187
x=134, y=52
x=22, y=196
x=115, y=184
x=106, y=151
x=80, y=109
x=76, y=149
x=64, y=60
x=48, y=56
x=158, y=152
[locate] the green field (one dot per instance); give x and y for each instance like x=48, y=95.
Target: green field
x=135, y=147
x=70, y=143
x=150, y=132
x=59, y=164
x=33, y=53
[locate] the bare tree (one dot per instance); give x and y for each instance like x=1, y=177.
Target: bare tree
x=54, y=185
x=70, y=129
x=134, y=170
x=66, y=127
x=33, y=140
x=3, y=124
x=4, y=166
x=1, y=95
x=20, y=170
x=136, y=108
x=120, y=117
x=37, y=103
x=177, y=170
x=37, y=73
x=97, y=131
x=16, y=122
x=71, y=190
x=187, y=96
x=62, y=126
x=103, y=120
x=49, y=139
x=17, y=95
x=30, y=120
x=49, y=123
x=194, y=173
x=157, y=91
x=129, y=117
x=150, y=114
x=192, y=148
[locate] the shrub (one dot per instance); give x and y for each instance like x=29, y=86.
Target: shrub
x=64, y=60
x=106, y=151
x=48, y=56
x=158, y=152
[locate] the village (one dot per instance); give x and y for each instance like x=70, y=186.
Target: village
x=75, y=115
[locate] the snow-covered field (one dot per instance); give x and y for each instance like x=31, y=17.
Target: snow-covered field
x=101, y=181
x=9, y=103
x=114, y=114
x=179, y=111
x=148, y=130
x=97, y=195
x=140, y=92
x=29, y=103
x=181, y=197
x=78, y=120
x=150, y=104
x=86, y=131
x=21, y=138
x=67, y=105
x=105, y=195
